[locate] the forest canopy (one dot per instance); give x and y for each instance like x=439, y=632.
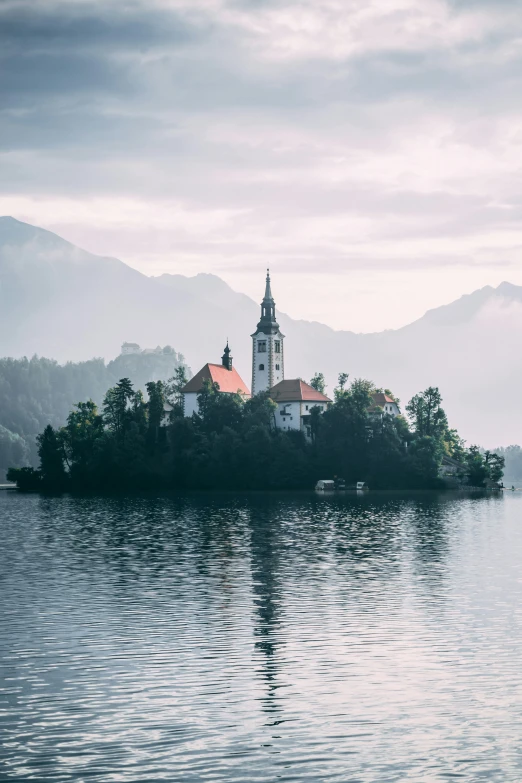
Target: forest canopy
x=130, y=442
x=36, y=392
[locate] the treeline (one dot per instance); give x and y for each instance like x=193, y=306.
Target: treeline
x=38, y=391
x=131, y=443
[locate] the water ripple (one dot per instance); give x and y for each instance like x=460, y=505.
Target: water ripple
x=261, y=638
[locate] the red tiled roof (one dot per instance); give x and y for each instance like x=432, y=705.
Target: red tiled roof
x=381, y=399
x=229, y=380
x=296, y=390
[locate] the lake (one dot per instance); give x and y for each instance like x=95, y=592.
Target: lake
x=261, y=638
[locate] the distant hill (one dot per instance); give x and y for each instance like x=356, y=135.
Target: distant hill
x=36, y=392
x=60, y=301
x=144, y=367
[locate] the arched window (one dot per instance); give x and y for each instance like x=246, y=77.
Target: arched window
x=261, y=366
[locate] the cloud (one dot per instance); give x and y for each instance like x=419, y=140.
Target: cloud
x=337, y=135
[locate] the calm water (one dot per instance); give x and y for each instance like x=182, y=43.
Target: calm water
x=261, y=638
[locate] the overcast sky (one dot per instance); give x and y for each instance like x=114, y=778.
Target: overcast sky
x=369, y=151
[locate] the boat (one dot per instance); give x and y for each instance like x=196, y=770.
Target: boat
x=325, y=485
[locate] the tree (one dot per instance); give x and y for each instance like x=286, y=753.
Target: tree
x=260, y=409
x=206, y=398
x=235, y=444
x=361, y=392
x=423, y=460
x=26, y=479
x=343, y=447
x=156, y=404
x=156, y=408
x=476, y=468
x=173, y=389
x=426, y=414
x=36, y=392
x=495, y=464
x=51, y=453
x=217, y=410
x=342, y=381
x=455, y=445
x=80, y=438
x=115, y=406
x=139, y=411
x=318, y=382
x=315, y=422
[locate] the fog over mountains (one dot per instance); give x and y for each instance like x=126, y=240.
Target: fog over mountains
x=59, y=301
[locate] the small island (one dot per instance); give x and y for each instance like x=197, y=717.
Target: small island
x=211, y=433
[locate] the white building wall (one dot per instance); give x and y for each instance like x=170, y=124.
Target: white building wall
x=268, y=364
x=306, y=407
x=292, y=419
x=128, y=349
x=190, y=403
x=295, y=411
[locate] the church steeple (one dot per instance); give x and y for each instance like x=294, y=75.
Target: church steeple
x=268, y=291
x=226, y=359
x=267, y=346
x=268, y=323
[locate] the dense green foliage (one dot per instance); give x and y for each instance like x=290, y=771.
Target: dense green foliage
x=436, y=442
x=36, y=392
x=234, y=444
x=318, y=382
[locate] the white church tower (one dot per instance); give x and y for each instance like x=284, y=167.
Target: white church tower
x=267, y=347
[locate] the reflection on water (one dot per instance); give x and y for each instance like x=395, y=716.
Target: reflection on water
x=261, y=638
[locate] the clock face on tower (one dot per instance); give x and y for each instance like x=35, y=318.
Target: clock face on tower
x=267, y=346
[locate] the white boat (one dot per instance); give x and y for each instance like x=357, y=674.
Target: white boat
x=325, y=485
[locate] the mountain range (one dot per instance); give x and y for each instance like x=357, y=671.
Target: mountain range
x=60, y=301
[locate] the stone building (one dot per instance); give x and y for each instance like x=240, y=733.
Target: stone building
x=224, y=374
x=295, y=400
x=128, y=348
x=385, y=404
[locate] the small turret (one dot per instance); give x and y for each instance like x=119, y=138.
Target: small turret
x=226, y=359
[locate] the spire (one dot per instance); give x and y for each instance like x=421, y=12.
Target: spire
x=268, y=290
x=226, y=359
x=268, y=321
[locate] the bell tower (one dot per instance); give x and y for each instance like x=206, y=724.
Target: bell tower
x=226, y=359
x=267, y=346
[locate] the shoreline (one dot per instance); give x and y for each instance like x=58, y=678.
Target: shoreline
x=311, y=493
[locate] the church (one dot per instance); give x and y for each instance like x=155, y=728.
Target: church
x=294, y=398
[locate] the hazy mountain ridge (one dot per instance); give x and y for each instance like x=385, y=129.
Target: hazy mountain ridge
x=63, y=302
